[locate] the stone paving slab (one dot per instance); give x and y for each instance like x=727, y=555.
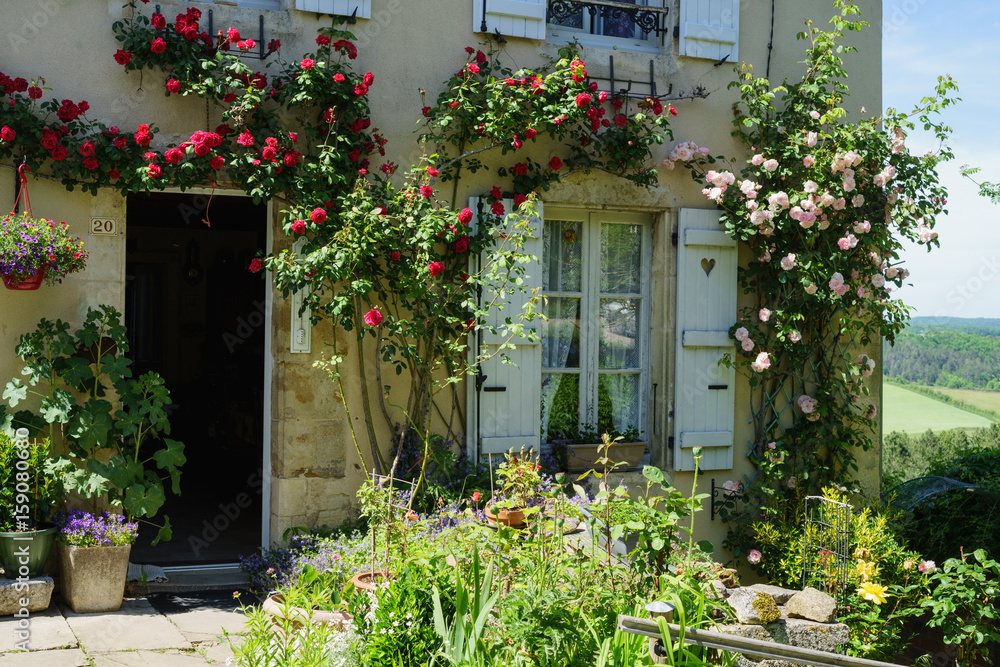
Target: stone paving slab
x=136, y=626
x=217, y=654
x=150, y=659
x=206, y=625
x=48, y=628
x=73, y=657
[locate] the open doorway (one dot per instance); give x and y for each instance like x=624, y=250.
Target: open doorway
x=196, y=316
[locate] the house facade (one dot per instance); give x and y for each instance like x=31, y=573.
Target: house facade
x=639, y=284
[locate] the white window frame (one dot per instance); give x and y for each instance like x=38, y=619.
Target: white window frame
x=559, y=34
x=266, y=5
x=591, y=295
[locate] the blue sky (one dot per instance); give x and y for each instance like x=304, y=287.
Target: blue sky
x=923, y=39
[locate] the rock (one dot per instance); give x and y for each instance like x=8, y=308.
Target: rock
x=38, y=594
x=778, y=594
x=726, y=575
x=812, y=604
x=794, y=632
x=753, y=607
x=719, y=590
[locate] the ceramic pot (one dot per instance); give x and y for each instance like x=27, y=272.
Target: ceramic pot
x=32, y=282
x=275, y=607
x=93, y=578
x=513, y=518
x=369, y=581
x=38, y=544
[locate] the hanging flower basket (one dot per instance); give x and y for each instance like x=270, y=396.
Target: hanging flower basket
x=32, y=282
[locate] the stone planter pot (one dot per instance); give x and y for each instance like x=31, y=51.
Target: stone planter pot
x=276, y=607
x=582, y=457
x=38, y=544
x=93, y=578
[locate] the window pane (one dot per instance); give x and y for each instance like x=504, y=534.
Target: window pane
x=560, y=404
x=617, y=23
x=620, y=342
x=562, y=253
x=565, y=17
x=561, y=333
x=618, y=402
x=621, y=258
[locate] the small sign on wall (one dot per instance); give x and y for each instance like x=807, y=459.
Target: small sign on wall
x=103, y=227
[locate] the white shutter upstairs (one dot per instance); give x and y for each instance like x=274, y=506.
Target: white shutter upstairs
x=706, y=307
x=710, y=29
x=508, y=412
x=338, y=7
x=513, y=18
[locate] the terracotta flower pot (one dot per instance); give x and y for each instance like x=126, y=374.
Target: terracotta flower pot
x=93, y=578
x=275, y=607
x=32, y=282
x=369, y=581
x=513, y=518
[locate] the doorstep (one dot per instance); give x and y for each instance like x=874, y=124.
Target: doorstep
x=195, y=578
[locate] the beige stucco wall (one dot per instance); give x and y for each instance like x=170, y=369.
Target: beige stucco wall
x=407, y=45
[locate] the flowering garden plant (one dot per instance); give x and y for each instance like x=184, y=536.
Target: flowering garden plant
x=78, y=528
x=824, y=205
x=28, y=245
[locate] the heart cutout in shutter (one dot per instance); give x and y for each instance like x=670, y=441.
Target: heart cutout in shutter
x=707, y=265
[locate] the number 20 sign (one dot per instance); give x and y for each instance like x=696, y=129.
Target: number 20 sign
x=103, y=227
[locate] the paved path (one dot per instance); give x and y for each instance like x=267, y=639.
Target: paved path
x=168, y=630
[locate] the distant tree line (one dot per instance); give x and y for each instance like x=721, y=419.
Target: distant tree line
x=966, y=357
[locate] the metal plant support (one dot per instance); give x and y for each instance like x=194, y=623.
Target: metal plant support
x=826, y=546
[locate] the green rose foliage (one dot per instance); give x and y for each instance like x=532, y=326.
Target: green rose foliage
x=824, y=204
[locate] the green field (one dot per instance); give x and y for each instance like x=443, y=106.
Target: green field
x=904, y=410
x=987, y=400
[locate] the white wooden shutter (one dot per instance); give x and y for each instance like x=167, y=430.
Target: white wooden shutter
x=710, y=29
x=514, y=18
x=706, y=307
x=509, y=403
x=339, y=7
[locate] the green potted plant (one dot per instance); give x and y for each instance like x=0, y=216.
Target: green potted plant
x=578, y=447
x=116, y=451
x=94, y=559
x=28, y=495
x=515, y=499
x=36, y=249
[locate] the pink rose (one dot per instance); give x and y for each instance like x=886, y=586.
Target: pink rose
x=764, y=314
x=373, y=317
x=754, y=556
x=762, y=363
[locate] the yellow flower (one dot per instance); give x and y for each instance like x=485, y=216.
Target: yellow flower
x=862, y=553
x=908, y=565
x=864, y=570
x=874, y=592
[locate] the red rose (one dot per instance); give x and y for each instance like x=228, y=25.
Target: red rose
x=373, y=317
x=673, y=111
x=620, y=120
x=461, y=245
x=307, y=63
x=121, y=142
x=517, y=142
x=150, y=156
x=255, y=265
x=495, y=193
x=497, y=208
x=50, y=139
x=158, y=45
x=354, y=155
x=216, y=162
x=394, y=256
x=427, y=191
x=233, y=34
x=480, y=57
x=338, y=77
x=8, y=134
x=530, y=133
x=469, y=49
x=520, y=169
x=122, y=57
x=35, y=92
x=360, y=89
x=229, y=98
x=113, y=173
x=173, y=155
x=90, y=163
x=519, y=199
x=159, y=22
x=435, y=268
x=369, y=78
x=465, y=216
x=292, y=158
x=269, y=154
x=222, y=130
x=426, y=111
x=322, y=40
x=555, y=164
x=245, y=139
x=201, y=150
x=154, y=171
x=476, y=497
x=582, y=100
x=473, y=68
x=602, y=96
x=59, y=153
x=318, y=216
x=299, y=227
x=174, y=86
x=593, y=86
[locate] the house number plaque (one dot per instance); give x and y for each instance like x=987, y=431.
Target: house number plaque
x=103, y=227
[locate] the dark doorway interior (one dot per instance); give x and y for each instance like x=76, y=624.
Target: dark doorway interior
x=195, y=315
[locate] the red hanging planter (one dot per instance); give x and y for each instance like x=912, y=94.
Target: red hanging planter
x=32, y=282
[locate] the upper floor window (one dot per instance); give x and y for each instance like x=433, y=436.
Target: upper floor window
x=608, y=24
x=253, y=4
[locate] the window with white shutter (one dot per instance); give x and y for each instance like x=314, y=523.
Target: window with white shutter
x=704, y=392
x=513, y=18
x=338, y=7
x=503, y=399
x=710, y=29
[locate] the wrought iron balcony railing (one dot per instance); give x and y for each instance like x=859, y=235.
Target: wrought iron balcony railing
x=649, y=19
